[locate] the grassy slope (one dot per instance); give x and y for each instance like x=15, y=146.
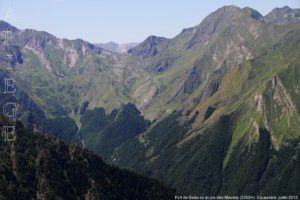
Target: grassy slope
x=256, y=119
x=231, y=44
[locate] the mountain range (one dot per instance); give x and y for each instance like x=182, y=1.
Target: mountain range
x=214, y=110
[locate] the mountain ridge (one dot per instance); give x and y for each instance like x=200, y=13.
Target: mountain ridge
x=283, y=15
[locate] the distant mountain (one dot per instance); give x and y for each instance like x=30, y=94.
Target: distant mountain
x=114, y=47
x=284, y=15
x=41, y=167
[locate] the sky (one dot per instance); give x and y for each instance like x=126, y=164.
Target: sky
x=121, y=21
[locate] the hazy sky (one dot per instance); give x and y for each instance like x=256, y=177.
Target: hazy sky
x=119, y=20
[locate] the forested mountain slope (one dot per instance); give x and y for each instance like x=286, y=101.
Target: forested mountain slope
x=41, y=167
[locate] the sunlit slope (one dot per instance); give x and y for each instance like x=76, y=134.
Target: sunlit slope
x=241, y=140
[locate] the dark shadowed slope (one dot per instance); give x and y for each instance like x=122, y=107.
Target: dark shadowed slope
x=40, y=167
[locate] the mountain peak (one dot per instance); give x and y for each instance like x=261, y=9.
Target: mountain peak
x=155, y=39
x=254, y=14
x=225, y=10
x=284, y=15
x=212, y=24
x=4, y=26
x=283, y=9
x=111, y=42
x=229, y=7
x=147, y=48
